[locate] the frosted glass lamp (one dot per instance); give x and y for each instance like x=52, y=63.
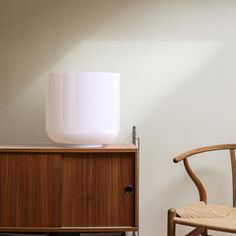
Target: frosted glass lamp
x=83, y=108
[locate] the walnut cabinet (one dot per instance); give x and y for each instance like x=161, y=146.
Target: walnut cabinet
x=69, y=190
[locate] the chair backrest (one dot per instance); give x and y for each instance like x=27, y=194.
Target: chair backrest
x=202, y=192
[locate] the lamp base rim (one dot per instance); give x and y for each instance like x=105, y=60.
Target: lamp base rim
x=66, y=145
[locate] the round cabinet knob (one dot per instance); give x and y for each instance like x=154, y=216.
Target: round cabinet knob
x=129, y=189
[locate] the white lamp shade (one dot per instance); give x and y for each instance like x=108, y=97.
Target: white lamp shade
x=83, y=108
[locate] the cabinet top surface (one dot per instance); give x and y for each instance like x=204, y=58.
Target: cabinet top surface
x=51, y=148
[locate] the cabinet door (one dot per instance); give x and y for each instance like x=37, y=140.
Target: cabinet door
x=93, y=189
x=30, y=190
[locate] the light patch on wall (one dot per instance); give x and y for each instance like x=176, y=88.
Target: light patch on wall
x=150, y=70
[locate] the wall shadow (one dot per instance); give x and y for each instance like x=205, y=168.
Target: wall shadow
x=35, y=35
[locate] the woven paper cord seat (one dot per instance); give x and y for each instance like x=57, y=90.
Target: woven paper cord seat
x=209, y=216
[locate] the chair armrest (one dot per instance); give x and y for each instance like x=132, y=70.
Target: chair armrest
x=192, y=152
x=183, y=157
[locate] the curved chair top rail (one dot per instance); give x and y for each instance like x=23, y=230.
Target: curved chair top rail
x=192, y=152
x=201, y=189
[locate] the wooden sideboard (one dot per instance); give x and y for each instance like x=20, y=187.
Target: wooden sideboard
x=55, y=189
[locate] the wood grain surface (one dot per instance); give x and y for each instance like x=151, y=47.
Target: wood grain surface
x=77, y=191
x=53, y=149
x=93, y=190
x=30, y=190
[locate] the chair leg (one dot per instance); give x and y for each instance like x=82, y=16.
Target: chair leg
x=205, y=233
x=171, y=224
x=196, y=232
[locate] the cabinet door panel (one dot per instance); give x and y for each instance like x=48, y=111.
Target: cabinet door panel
x=93, y=189
x=30, y=190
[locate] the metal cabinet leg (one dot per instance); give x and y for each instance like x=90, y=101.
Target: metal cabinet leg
x=135, y=233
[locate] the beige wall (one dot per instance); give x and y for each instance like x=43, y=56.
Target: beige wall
x=177, y=65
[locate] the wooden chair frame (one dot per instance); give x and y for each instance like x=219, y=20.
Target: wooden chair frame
x=171, y=228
